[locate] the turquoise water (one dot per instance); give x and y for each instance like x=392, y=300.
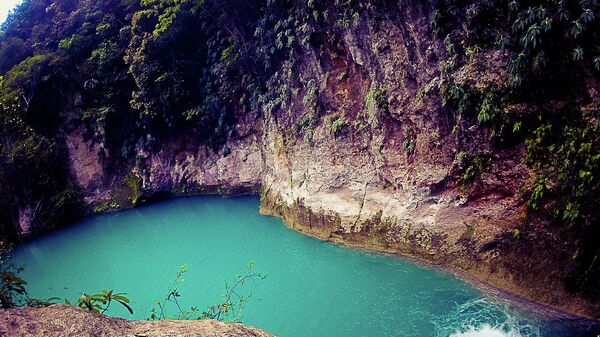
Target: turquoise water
x=312, y=288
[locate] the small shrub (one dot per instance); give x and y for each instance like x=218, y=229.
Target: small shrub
x=134, y=185
x=489, y=109
x=310, y=102
x=105, y=206
x=376, y=104
x=409, y=145
x=69, y=42
x=477, y=166
x=100, y=303
x=230, y=308
x=338, y=125
x=12, y=287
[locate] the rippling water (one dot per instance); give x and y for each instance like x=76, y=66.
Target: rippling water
x=312, y=288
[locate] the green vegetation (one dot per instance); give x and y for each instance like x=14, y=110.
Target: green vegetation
x=474, y=169
x=69, y=42
x=105, y=206
x=134, y=185
x=99, y=303
x=12, y=287
x=554, y=54
x=230, y=308
x=376, y=105
x=489, y=109
x=409, y=145
x=338, y=125
x=13, y=292
x=310, y=102
x=568, y=157
x=25, y=153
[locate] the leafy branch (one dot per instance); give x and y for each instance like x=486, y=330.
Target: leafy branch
x=100, y=303
x=233, y=301
x=229, y=308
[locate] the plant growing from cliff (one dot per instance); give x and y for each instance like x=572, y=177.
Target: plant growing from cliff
x=489, y=109
x=100, y=303
x=435, y=19
x=567, y=157
x=457, y=96
x=474, y=169
x=409, y=144
x=457, y=92
x=69, y=42
x=134, y=185
x=310, y=102
x=14, y=294
x=232, y=303
x=25, y=78
x=471, y=51
x=12, y=287
x=338, y=125
x=578, y=54
x=516, y=233
x=376, y=104
x=105, y=206
x=542, y=32
x=537, y=194
x=230, y=307
x=517, y=127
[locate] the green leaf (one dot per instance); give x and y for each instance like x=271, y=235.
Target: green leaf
x=578, y=54
x=517, y=127
x=126, y=306
x=121, y=298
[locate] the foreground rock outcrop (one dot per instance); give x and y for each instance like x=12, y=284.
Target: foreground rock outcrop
x=69, y=321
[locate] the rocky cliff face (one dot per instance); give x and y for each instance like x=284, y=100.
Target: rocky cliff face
x=336, y=165
x=63, y=320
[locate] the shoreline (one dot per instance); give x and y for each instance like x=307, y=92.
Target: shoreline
x=504, y=294
x=512, y=293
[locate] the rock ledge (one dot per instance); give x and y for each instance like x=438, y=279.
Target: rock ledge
x=65, y=321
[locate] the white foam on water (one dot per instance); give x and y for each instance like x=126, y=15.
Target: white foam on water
x=487, y=330
x=484, y=317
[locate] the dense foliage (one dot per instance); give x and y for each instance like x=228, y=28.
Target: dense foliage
x=132, y=72
x=28, y=149
x=552, y=48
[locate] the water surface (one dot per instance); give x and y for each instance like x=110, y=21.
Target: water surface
x=312, y=288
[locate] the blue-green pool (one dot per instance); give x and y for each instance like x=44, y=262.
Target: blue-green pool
x=312, y=288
